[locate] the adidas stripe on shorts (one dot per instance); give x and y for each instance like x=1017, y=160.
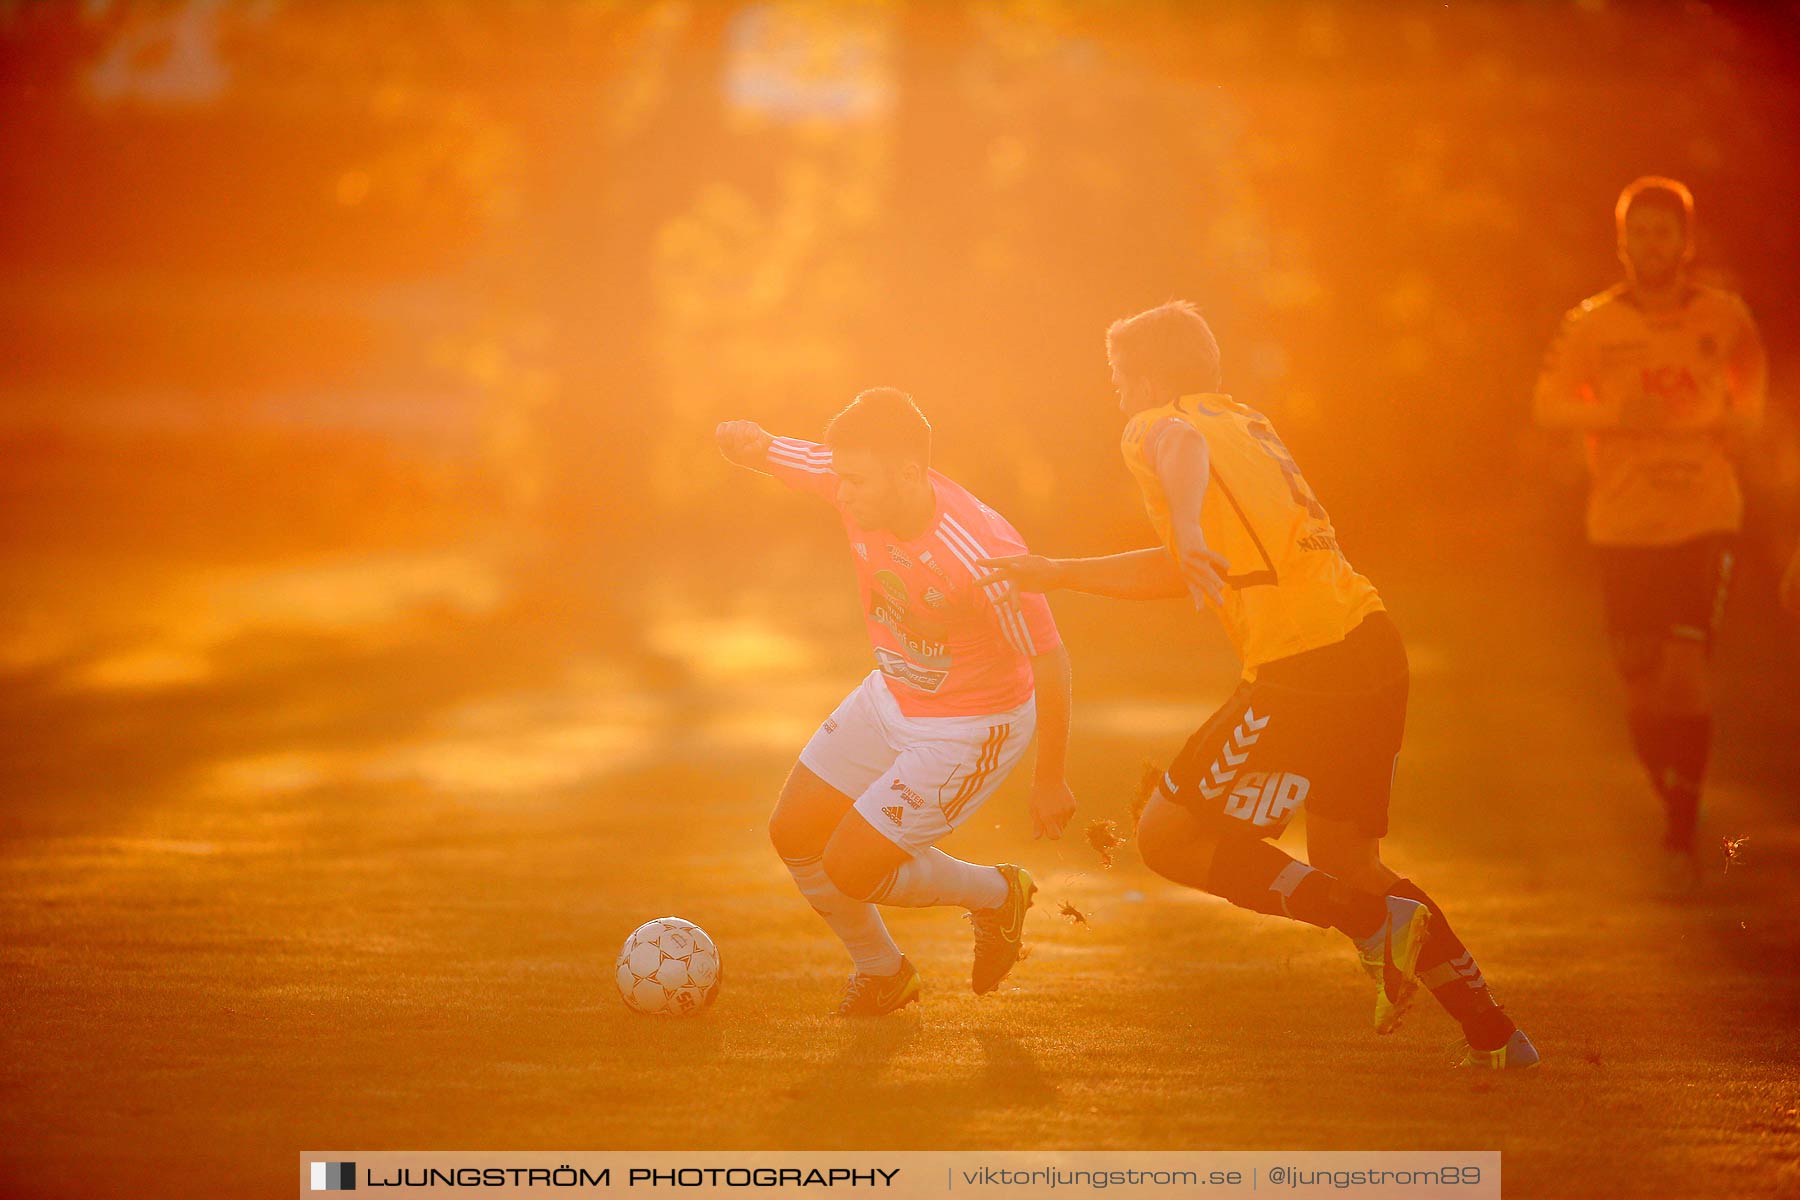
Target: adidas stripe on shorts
x=915, y=778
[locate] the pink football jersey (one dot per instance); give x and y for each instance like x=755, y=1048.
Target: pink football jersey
x=947, y=646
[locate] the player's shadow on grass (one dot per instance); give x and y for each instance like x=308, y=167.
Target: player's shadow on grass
x=641, y=1046
x=1009, y=1070
x=894, y=1074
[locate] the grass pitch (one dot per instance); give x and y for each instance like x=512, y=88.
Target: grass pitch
x=366, y=893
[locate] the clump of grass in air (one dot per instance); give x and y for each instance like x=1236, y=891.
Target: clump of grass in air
x=1103, y=835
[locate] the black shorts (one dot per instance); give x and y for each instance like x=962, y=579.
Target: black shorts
x=1321, y=729
x=1664, y=592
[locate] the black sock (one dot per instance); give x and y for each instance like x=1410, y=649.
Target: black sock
x=1681, y=807
x=1649, y=738
x=1449, y=972
x=1689, y=742
x=1253, y=874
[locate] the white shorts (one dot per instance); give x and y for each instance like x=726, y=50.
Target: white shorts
x=915, y=778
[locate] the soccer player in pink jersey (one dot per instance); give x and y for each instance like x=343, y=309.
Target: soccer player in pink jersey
x=914, y=750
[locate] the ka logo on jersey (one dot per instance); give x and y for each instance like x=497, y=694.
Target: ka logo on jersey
x=1673, y=383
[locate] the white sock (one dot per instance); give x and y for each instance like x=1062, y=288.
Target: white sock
x=932, y=878
x=857, y=923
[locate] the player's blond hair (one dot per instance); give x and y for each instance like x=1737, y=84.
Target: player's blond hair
x=1171, y=345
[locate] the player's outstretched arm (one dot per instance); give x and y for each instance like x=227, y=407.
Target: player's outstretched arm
x=1051, y=802
x=1147, y=574
x=1180, y=456
x=1185, y=466
x=799, y=464
x=744, y=443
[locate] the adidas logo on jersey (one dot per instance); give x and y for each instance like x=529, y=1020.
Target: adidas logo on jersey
x=893, y=813
x=934, y=598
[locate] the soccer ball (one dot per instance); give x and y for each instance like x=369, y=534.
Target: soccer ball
x=668, y=968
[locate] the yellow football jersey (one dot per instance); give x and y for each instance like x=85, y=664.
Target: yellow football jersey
x=1684, y=372
x=1288, y=588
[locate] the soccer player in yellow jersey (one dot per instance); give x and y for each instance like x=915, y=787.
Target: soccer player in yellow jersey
x=1665, y=377
x=1318, y=717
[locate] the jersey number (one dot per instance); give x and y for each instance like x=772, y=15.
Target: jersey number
x=1270, y=441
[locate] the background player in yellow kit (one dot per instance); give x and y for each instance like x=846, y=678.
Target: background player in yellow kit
x=1665, y=377
x=1318, y=718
